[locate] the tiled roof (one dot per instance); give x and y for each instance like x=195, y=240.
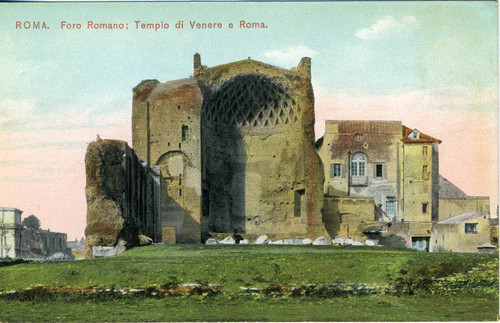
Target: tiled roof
x=366, y=127
x=423, y=137
x=457, y=219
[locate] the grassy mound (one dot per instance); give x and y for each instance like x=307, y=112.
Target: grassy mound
x=301, y=283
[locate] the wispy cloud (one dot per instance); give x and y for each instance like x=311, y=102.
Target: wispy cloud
x=289, y=56
x=17, y=180
x=386, y=26
x=14, y=110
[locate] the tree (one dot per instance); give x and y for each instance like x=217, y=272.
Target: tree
x=32, y=222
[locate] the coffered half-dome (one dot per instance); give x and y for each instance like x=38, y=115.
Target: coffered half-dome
x=250, y=100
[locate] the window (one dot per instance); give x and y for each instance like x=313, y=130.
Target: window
x=358, y=164
x=379, y=170
x=389, y=207
x=425, y=208
x=425, y=173
x=424, y=151
x=358, y=137
x=335, y=170
x=414, y=135
x=471, y=228
x=185, y=133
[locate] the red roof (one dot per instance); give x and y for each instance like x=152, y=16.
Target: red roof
x=423, y=137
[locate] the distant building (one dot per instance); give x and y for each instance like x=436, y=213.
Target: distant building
x=10, y=232
x=17, y=241
x=76, y=244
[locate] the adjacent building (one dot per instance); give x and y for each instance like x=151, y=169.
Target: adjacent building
x=465, y=232
x=384, y=160
x=382, y=182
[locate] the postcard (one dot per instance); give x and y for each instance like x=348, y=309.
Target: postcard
x=352, y=146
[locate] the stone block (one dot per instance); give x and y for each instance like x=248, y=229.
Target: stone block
x=370, y=242
x=228, y=240
x=306, y=241
x=339, y=241
x=145, y=240
x=168, y=234
x=321, y=241
x=100, y=251
x=211, y=241
x=261, y=240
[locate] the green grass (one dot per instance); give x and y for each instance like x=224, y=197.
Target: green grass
x=253, y=266
x=374, y=308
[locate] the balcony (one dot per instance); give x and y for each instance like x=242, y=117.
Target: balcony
x=359, y=181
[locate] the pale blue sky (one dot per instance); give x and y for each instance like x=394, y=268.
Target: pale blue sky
x=59, y=88
x=447, y=44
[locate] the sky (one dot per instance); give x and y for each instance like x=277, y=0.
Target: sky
x=431, y=65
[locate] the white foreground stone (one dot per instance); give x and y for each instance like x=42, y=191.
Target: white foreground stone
x=228, y=240
x=307, y=241
x=211, y=241
x=339, y=241
x=261, y=240
x=321, y=241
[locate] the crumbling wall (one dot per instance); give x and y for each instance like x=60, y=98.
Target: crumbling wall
x=235, y=147
x=122, y=196
x=349, y=217
x=261, y=172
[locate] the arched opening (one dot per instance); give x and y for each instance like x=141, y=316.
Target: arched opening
x=358, y=164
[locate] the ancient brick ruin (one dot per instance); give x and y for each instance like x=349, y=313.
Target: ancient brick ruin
x=122, y=195
x=228, y=150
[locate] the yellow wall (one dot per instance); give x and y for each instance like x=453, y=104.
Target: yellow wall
x=452, y=237
x=419, y=186
x=450, y=207
x=348, y=217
